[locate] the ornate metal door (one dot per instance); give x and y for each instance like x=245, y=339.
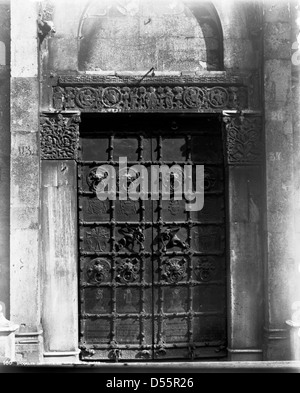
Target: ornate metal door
x=153, y=278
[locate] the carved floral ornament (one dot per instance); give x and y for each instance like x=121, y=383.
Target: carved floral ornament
x=243, y=135
x=59, y=136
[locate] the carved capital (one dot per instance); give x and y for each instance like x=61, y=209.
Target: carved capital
x=243, y=138
x=59, y=136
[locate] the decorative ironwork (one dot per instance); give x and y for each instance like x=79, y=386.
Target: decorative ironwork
x=147, y=304
x=130, y=177
x=131, y=236
x=174, y=181
x=145, y=354
x=97, y=239
x=116, y=354
x=95, y=177
x=174, y=207
x=59, y=137
x=86, y=352
x=127, y=271
x=96, y=207
x=128, y=208
x=170, y=239
x=174, y=270
x=243, y=139
x=145, y=98
x=161, y=349
x=205, y=268
x=98, y=271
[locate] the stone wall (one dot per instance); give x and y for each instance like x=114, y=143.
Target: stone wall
x=280, y=262
x=35, y=258
x=25, y=267
x=4, y=151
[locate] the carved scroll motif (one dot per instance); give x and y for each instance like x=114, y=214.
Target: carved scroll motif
x=59, y=137
x=243, y=139
x=145, y=98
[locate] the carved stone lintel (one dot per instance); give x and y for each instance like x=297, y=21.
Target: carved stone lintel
x=153, y=98
x=243, y=138
x=59, y=136
x=210, y=79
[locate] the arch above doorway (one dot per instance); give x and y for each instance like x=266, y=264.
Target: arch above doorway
x=172, y=35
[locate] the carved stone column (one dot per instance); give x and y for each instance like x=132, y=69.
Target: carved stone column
x=243, y=146
x=59, y=144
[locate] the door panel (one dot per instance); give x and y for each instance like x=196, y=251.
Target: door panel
x=152, y=274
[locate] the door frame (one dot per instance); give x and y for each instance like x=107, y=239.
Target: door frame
x=160, y=350
x=210, y=95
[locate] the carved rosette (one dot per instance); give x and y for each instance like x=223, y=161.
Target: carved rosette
x=127, y=271
x=243, y=139
x=174, y=270
x=95, y=177
x=59, y=137
x=144, y=98
x=98, y=271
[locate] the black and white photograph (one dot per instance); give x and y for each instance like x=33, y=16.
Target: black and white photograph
x=150, y=189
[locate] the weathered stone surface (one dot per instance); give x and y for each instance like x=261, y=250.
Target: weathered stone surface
x=24, y=39
x=239, y=54
x=24, y=182
x=246, y=265
x=277, y=83
x=277, y=11
x=25, y=185
x=63, y=54
x=7, y=338
x=24, y=104
x=4, y=153
x=280, y=268
x=155, y=34
x=278, y=40
x=25, y=300
x=59, y=239
x=280, y=262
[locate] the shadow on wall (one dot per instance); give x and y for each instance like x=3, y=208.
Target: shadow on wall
x=169, y=35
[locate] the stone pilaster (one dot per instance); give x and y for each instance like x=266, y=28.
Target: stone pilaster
x=4, y=151
x=279, y=227
x=59, y=144
x=25, y=171
x=243, y=145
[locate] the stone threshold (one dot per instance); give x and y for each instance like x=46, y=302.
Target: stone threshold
x=163, y=367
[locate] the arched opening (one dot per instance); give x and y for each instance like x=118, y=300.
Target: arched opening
x=135, y=35
x=2, y=54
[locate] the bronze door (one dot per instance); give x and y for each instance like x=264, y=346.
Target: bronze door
x=152, y=275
